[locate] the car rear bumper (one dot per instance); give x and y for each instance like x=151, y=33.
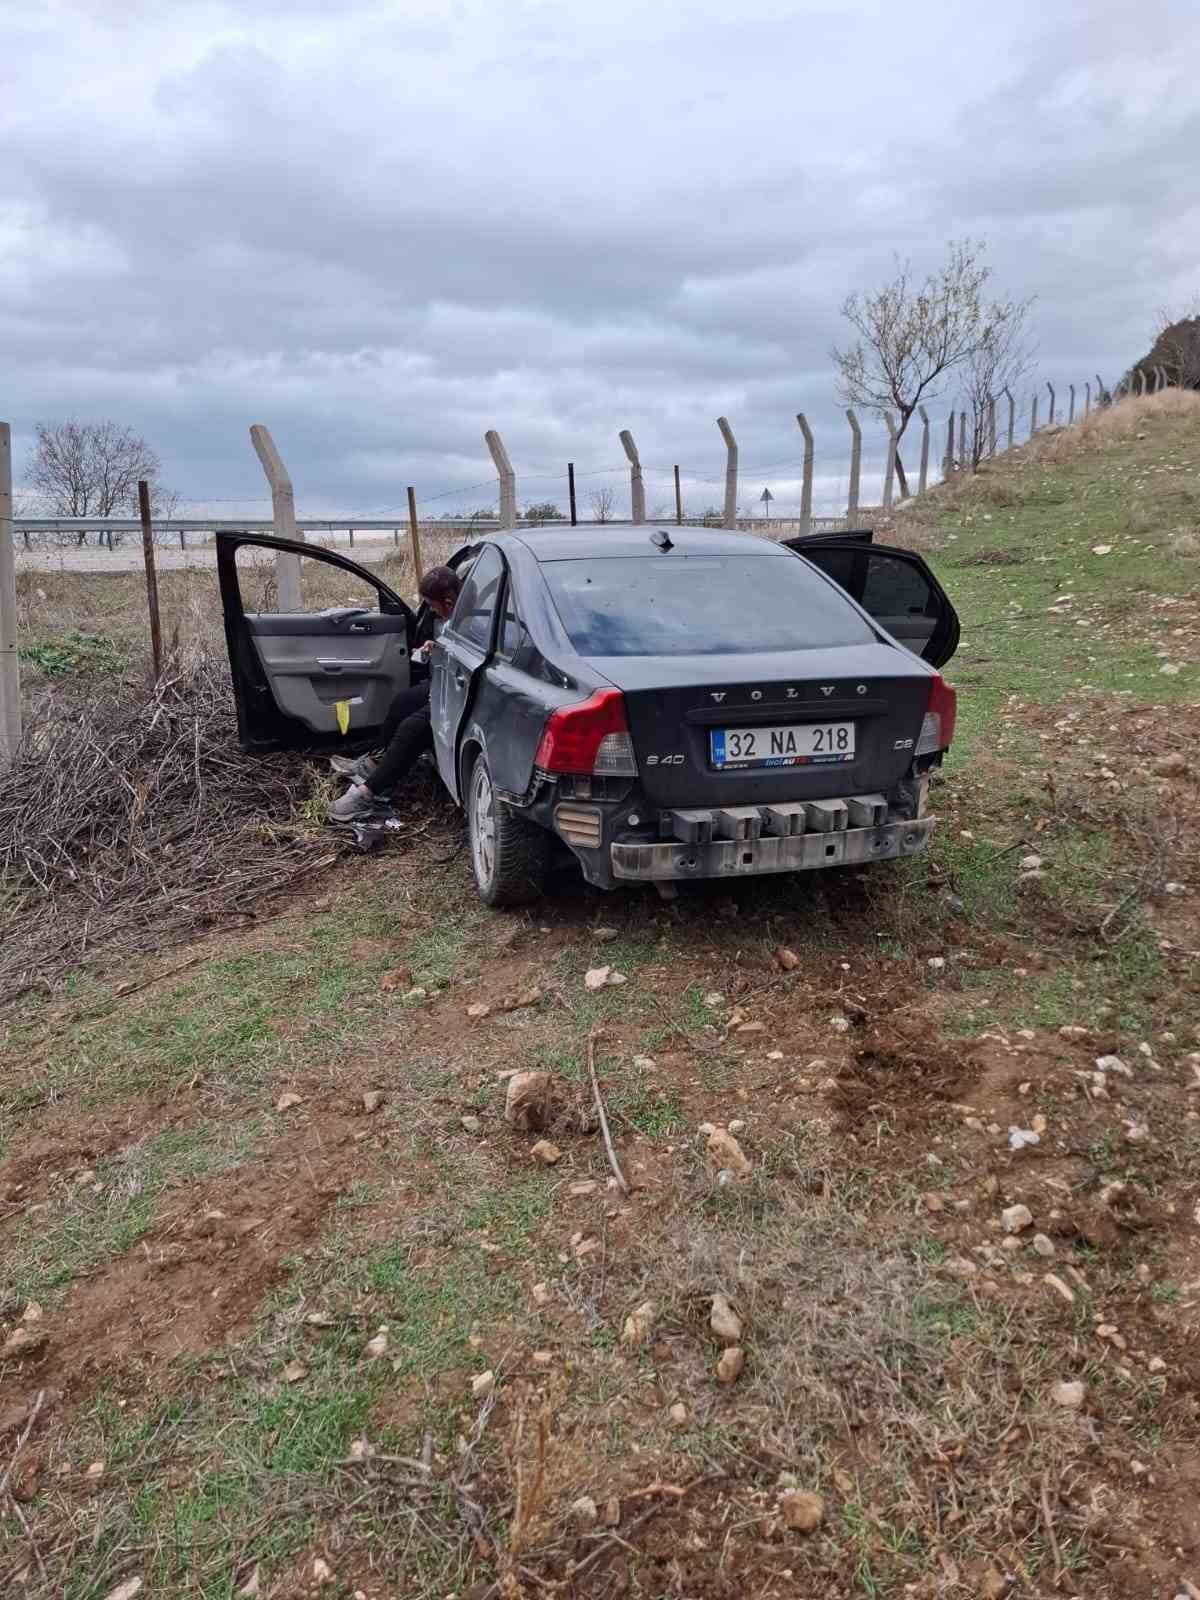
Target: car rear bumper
x=802, y=852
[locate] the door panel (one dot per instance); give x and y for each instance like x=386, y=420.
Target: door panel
x=895, y=587
x=312, y=664
x=312, y=678
x=458, y=655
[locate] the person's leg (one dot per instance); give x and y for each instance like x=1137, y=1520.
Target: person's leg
x=413, y=735
x=361, y=769
x=405, y=703
x=411, y=739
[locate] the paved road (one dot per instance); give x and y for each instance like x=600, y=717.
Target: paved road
x=127, y=557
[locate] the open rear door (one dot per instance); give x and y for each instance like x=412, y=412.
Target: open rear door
x=317, y=678
x=895, y=587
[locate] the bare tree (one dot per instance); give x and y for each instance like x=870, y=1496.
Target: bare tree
x=602, y=501
x=91, y=469
x=1000, y=360
x=911, y=336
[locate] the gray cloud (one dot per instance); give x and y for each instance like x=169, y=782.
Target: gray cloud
x=382, y=229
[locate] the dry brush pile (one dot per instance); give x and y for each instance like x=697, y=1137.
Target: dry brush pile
x=132, y=821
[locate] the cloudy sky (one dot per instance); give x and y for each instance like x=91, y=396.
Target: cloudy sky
x=383, y=226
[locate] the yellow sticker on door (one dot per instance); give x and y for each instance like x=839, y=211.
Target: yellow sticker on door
x=342, y=707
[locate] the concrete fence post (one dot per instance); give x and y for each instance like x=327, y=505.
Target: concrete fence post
x=991, y=424
x=1139, y=382
x=1071, y=412
x=1087, y=400
x=1099, y=390
x=637, y=489
x=1012, y=415
x=1050, y=386
x=10, y=666
x=508, y=478
x=962, y=439
x=948, y=463
x=806, y=481
x=855, y=466
x=889, y=474
x=729, y=520
x=1164, y=382
x=924, y=474
x=1033, y=417
x=283, y=515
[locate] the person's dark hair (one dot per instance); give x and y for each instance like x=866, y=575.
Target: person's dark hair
x=440, y=583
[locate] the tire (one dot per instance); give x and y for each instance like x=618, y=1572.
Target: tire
x=509, y=853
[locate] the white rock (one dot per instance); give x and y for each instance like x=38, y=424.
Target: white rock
x=713, y=999
x=737, y=1125
x=479, y=1009
x=288, y=1100
x=839, y=1024
x=639, y=1324
x=1030, y=863
x=1018, y=1138
x=724, y=1321
x=322, y=1572
x=1101, y=549
x=678, y=1415
x=936, y=963
x=471, y=1124
x=1052, y=1281
x=729, y=1367
x=1069, y=1395
x=545, y=1152
x=482, y=1384
x=584, y=1512
x=1113, y=1064
x=126, y=1590
x=1043, y=1245
x=643, y=1063
x=596, y=977
x=372, y=1100
x=376, y=1347
x=1016, y=1218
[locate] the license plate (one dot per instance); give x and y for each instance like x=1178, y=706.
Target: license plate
x=808, y=744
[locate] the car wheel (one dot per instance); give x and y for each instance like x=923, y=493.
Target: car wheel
x=508, y=852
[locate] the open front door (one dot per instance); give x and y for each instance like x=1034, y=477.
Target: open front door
x=895, y=587
x=320, y=677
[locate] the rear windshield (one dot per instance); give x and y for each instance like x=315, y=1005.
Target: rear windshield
x=699, y=605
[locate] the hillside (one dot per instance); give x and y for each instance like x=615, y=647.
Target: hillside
x=292, y=1309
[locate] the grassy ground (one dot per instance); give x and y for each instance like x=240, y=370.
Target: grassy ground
x=266, y=1230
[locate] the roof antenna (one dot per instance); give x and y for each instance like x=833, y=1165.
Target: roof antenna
x=662, y=539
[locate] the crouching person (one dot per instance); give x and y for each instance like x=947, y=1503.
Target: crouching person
x=408, y=732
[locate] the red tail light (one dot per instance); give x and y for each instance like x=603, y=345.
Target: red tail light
x=590, y=738
x=937, y=731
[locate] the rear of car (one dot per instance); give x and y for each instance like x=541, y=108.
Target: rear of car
x=748, y=717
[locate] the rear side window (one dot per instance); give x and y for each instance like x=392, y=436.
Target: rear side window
x=699, y=605
x=472, y=615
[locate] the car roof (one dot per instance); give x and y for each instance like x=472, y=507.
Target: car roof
x=552, y=542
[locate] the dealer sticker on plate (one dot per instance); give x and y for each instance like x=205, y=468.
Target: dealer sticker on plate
x=794, y=745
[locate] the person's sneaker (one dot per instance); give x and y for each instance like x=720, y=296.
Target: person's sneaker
x=356, y=803
x=359, y=769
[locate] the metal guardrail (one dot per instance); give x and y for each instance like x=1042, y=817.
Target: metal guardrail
x=185, y=525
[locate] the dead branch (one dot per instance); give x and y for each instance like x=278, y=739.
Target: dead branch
x=608, y=1144
x=132, y=822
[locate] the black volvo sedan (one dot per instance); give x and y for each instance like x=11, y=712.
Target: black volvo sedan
x=667, y=703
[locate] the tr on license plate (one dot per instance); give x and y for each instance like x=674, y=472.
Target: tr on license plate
x=793, y=745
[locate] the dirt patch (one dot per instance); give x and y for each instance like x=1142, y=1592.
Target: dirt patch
x=80, y=1140
x=902, y=1075
x=194, y=1280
